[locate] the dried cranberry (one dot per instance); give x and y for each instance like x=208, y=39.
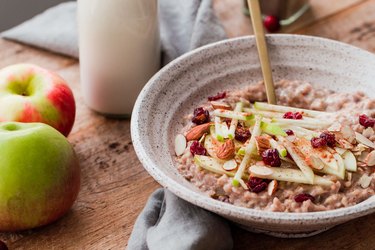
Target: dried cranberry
x=242, y=134
x=272, y=23
x=218, y=96
x=256, y=184
x=289, y=132
x=318, y=142
x=294, y=116
x=271, y=157
x=329, y=137
x=303, y=197
x=3, y=246
x=196, y=148
x=366, y=121
x=200, y=116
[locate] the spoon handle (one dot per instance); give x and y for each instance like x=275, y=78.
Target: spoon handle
x=256, y=19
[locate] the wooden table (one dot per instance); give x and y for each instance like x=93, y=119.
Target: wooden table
x=115, y=186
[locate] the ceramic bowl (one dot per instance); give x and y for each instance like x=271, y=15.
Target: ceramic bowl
x=177, y=89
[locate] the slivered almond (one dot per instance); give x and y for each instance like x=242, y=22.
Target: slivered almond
x=368, y=132
x=220, y=105
x=272, y=187
x=198, y=131
x=360, y=138
x=226, y=151
x=370, y=159
x=365, y=181
x=344, y=144
x=262, y=144
x=261, y=171
x=179, y=144
x=230, y=165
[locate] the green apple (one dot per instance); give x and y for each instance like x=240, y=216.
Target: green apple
x=39, y=175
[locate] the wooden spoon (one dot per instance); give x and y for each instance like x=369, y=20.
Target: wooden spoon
x=256, y=19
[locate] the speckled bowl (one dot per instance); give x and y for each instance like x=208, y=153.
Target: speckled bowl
x=176, y=89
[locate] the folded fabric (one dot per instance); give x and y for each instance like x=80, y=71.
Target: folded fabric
x=168, y=222
x=184, y=25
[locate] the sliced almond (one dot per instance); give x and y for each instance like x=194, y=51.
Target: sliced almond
x=262, y=143
x=370, y=159
x=179, y=144
x=344, y=144
x=362, y=157
x=342, y=132
x=226, y=151
x=272, y=187
x=365, y=181
x=195, y=133
x=261, y=171
x=368, y=132
x=349, y=176
x=360, y=148
x=291, y=138
x=230, y=165
x=220, y=105
x=360, y=138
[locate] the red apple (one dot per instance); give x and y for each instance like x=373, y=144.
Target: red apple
x=29, y=93
x=39, y=175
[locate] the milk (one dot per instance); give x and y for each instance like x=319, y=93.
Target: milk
x=119, y=51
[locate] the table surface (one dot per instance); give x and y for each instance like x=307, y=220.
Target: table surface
x=115, y=186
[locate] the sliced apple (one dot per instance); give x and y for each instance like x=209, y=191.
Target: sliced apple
x=282, y=151
x=233, y=114
x=294, y=175
x=284, y=109
x=268, y=114
x=214, y=165
x=234, y=122
x=299, y=159
x=249, y=149
x=309, y=124
x=350, y=161
x=210, y=146
x=341, y=166
x=220, y=129
x=272, y=129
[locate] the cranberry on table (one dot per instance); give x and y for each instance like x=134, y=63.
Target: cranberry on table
x=329, y=137
x=303, y=197
x=256, y=184
x=242, y=134
x=366, y=121
x=196, y=148
x=271, y=157
x=200, y=116
x=218, y=96
x=272, y=23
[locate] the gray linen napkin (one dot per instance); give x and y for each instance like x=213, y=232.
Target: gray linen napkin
x=184, y=25
x=166, y=222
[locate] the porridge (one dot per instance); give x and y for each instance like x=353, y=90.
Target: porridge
x=314, y=151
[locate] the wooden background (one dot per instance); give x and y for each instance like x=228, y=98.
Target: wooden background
x=115, y=186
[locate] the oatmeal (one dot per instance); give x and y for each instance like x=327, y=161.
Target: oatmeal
x=314, y=151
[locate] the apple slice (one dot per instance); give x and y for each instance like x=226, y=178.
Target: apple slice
x=210, y=146
x=233, y=114
x=341, y=166
x=234, y=122
x=268, y=114
x=220, y=129
x=293, y=175
x=299, y=159
x=364, y=140
x=214, y=165
x=249, y=149
x=282, y=151
x=179, y=144
x=284, y=109
x=310, y=124
x=350, y=162
x=272, y=129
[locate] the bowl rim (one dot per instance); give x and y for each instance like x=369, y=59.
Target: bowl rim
x=207, y=202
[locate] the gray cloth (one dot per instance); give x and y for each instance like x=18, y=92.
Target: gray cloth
x=184, y=25
x=168, y=222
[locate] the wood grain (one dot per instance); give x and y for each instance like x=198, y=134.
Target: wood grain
x=115, y=186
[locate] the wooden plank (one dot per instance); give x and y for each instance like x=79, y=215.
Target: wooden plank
x=236, y=24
